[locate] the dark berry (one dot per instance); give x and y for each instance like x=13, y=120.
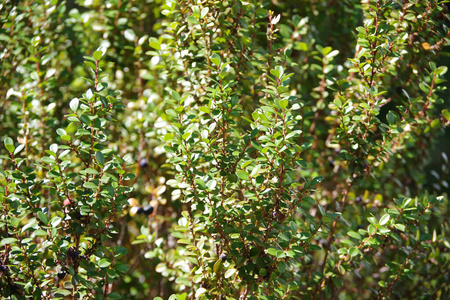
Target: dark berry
x=140, y=210
x=62, y=274
x=331, y=163
x=223, y=257
x=72, y=253
x=143, y=163
x=358, y=199
x=148, y=209
x=3, y=268
x=274, y=214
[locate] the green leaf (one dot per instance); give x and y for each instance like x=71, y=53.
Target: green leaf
x=171, y=113
x=435, y=123
x=200, y=183
x=193, y=20
x=291, y=254
x=353, y=251
x=98, y=55
x=372, y=220
x=280, y=71
x=281, y=267
x=35, y=41
x=243, y=175
x=255, y=170
x=61, y=131
x=48, y=160
x=15, y=221
x=215, y=59
x=372, y=229
x=332, y=54
x=204, y=109
x=19, y=148
x=9, y=144
x=204, y=12
x=154, y=43
x=354, y=235
x=441, y=70
x=100, y=157
x=62, y=293
x=104, y=263
x=218, y=266
x=83, y=132
x=74, y=103
x=271, y=92
x=432, y=66
x=347, y=241
x=280, y=254
x=321, y=210
x=391, y=117
x=90, y=185
x=200, y=292
x=400, y=227
x=90, y=64
x=230, y=273
x=272, y=251
x=275, y=73
x=85, y=210
x=384, y=219
x=43, y=217
x=114, y=295
x=283, y=103
x=40, y=232
x=129, y=34
x=424, y=87
x=123, y=268
x=89, y=94
x=6, y=241
x=54, y=148
x=51, y=153
x=446, y=114
x=75, y=280
x=85, y=119
x=55, y=221
x=91, y=171
x=316, y=180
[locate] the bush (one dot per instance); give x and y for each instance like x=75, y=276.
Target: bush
x=224, y=150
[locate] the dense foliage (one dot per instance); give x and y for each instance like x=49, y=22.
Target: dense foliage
x=224, y=149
